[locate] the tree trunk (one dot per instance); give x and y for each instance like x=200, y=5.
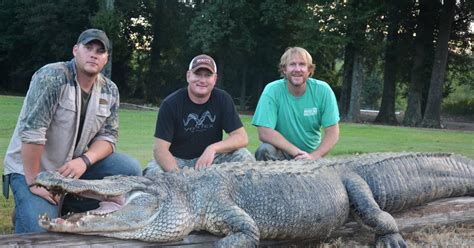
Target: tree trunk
x=353, y=70
x=344, y=101
x=221, y=57
x=386, y=114
x=353, y=114
x=153, y=80
x=432, y=114
x=422, y=64
x=161, y=76
x=107, y=70
x=243, y=88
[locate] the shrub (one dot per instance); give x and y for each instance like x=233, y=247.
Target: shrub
x=464, y=107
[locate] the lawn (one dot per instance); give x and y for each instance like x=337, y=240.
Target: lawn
x=137, y=128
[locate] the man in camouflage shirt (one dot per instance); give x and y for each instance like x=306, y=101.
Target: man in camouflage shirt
x=68, y=123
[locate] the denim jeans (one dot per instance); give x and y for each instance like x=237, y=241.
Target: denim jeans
x=29, y=206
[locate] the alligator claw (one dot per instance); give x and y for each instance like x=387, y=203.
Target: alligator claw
x=392, y=240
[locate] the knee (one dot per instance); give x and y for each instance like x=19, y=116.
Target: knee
x=245, y=155
x=25, y=215
x=152, y=168
x=263, y=151
x=123, y=164
x=27, y=224
x=133, y=167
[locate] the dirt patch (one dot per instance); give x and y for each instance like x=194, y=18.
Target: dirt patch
x=457, y=235
x=457, y=122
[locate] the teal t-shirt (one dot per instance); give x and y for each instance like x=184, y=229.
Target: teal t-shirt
x=298, y=119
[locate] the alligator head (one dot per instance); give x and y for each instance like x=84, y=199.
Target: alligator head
x=129, y=207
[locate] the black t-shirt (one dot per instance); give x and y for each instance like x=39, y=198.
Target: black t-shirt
x=191, y=127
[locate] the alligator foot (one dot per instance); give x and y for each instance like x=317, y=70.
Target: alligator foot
x=392, y=240
x=236, y=240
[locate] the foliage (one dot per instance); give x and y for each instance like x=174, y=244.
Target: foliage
x=243, y=40
x=135, y=37
x=372, y=90
x=319, y=31
x=463, y=107
x=153, y=42
x=34, y=33
x=170, y=52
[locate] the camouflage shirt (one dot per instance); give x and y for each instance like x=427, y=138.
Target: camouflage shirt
x=50, y=117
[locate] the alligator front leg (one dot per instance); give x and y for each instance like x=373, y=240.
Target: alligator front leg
x=240, y=229
x=367, y=212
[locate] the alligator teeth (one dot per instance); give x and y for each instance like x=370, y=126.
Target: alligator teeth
x=44, y=217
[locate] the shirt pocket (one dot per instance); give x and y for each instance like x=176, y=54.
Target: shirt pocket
x=65, y=115
x=102, y=114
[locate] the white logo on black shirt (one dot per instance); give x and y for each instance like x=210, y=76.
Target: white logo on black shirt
x=199, y=124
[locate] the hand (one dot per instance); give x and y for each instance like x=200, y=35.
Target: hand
x=206, y=158
x=73, y=169
x=45, y=194
x=303, y=155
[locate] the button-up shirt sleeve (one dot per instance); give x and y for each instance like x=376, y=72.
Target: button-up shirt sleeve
x=40, y=104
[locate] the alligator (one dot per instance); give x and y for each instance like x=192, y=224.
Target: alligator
x=252, y=201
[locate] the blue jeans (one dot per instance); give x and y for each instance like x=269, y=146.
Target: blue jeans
x=29, y=206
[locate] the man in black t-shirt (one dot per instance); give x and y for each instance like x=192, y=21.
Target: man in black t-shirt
x=190, y=124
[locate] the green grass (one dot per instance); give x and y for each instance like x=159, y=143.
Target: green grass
x=136, y=134
x=137, y=129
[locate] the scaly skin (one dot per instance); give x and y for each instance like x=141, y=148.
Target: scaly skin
x=246, y=202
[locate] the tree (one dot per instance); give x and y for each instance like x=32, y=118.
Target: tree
x=169, y=53
x=132, y=47
x=353, y=114
x=107, y=19
x=357, y=17
x=386, y=113
x=8, y=11
x=422, y=62
x=225, y=29
x=37, y=33
x=344, y=100
x=432, y=114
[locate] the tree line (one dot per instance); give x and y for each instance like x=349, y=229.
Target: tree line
x=372, y=53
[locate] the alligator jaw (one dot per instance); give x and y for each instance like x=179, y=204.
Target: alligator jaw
x=63, y=224
x=107, y=205
x=111, y=216
x=78, y=219
x=57, y=183
x=118, y=207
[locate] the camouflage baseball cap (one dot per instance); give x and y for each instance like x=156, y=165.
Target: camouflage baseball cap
x=94, y=34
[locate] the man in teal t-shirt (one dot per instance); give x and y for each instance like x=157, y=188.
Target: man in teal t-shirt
x=292, y=111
